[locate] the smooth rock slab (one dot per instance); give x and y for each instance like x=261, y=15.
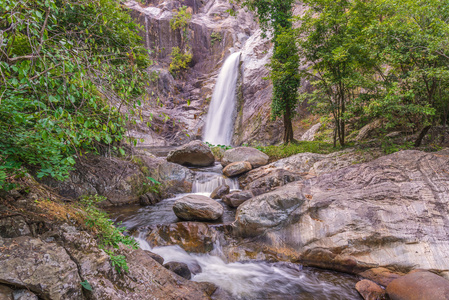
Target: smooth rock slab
x=391, y=212
x=195, y=153
x=255, y=157
x=197, y=208
x=237, y=168
x=419, y=286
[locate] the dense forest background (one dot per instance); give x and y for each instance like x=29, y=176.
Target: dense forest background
x=73, y=73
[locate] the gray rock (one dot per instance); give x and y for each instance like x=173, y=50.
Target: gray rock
x=197, y=207
x=237, y=168
x=390, y=212
x=236, y=198
x=220, y=191
x=44, y=268
x=309, y=135
x=266, y=182
x=255, y=157
x=419, y=286
x=24, y=295
x=368, y=129
x=13, y=227
x=179, y=268
x=195, y=153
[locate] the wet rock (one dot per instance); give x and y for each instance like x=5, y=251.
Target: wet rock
x=419, y=286
x=149, y=199
x=370, y=290
x=237, y=168
x=220, y=191
x=389, y=212
x=236, y=198
x=309, y=135
x=155, y=256
x=197, y=207
x=179, y=268
x=195, y=153
x=24, y=295
x=190, y=236
x=380, y=276
x=5, y=292
x=255, y=157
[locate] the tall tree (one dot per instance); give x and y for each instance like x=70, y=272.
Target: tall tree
x=276, y=16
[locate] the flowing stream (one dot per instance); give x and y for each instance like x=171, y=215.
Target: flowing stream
x=248, y=280
x=221, y=115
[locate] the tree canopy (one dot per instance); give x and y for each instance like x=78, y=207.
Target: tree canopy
x=67, y=70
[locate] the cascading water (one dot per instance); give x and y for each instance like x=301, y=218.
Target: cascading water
x=221, y=115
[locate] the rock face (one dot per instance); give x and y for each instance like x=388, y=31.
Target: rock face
x=369, y=290
x=255, y=157
x=309, y=135
x=237, y=168
x=419, y=286
x=195, y=153
x=220, y=191
x=391, y=212
x=197, y=208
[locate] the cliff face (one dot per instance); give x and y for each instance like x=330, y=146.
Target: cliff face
x=212, y=34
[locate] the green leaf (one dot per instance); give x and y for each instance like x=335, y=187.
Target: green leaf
x=86, y=285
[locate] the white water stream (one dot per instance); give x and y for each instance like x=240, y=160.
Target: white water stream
x=221, y=115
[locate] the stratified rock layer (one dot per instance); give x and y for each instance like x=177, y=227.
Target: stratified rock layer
x=392, y=212
x=195, y=153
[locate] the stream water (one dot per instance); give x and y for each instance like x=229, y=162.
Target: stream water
x=243, y=280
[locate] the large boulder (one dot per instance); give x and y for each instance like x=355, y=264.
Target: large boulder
x=255, y=157
x=195, y=153
x=390, y=213
x=419, y=286
x=309, y=135
x=237, y=168
x=197, y=208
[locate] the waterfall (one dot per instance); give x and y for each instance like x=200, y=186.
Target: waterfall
x=221, y=115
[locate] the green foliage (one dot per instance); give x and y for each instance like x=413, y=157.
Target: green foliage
x=86, y=285
x=388, y=146
x=378, y=59
x=215, y=37
x=67, y=69
x=179, y=60
x=282, y=151
x=109, y=236
x=225, y=147
x=151, y=185
x=181, y=19
x=275, y=16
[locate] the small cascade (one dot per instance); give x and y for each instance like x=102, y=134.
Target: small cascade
x=207, y=182
x=221, y=115
x=258, y=279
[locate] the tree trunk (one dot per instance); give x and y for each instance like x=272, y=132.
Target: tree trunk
x=421, y=135
x=288, y=127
